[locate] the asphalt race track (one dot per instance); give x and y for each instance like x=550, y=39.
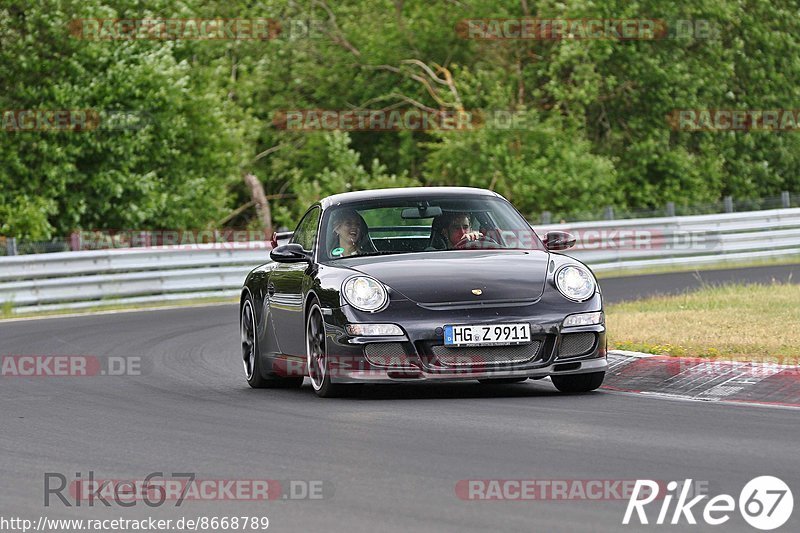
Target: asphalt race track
x=389, y=459
x=633, y=287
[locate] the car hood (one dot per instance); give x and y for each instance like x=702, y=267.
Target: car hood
x=451, y=277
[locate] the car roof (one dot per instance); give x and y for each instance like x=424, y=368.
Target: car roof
x=404, y=192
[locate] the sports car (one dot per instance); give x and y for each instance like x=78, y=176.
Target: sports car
x=420, y=284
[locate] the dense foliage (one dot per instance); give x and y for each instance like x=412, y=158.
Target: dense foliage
x=595, y=129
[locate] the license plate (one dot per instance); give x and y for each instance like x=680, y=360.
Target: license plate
x=487, y=334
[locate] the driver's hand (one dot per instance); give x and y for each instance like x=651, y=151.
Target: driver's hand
x=472, y=236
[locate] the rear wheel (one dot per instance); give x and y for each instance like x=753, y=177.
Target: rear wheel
x=579, y=382
x=502, y=381
x=250, y=358
x=317, y=359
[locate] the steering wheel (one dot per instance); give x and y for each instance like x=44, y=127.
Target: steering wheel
x=480, y=242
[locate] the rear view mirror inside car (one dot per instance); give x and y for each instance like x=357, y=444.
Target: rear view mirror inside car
x=429, y=211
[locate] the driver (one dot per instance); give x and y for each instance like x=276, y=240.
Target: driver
x=350, y=234
x=457, y=229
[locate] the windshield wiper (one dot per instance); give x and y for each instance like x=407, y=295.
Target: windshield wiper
x=384, y=252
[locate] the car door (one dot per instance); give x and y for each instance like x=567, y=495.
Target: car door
x=285, y=289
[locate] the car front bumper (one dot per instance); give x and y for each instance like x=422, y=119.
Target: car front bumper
x=390, y=375
x=419, y=355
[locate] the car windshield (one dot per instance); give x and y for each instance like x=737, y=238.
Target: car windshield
x=430, y=225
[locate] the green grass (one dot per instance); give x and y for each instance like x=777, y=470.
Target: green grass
x=731, y=321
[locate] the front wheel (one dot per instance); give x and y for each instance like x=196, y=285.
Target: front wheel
x=317, y=358
x=579, y=382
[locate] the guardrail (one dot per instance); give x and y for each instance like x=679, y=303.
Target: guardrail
x=636, y=244
x=72, y=280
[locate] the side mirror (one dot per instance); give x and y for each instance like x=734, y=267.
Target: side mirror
x=289, y=253
x=558, y=240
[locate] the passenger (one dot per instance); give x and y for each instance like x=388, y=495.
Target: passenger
x=351, y=235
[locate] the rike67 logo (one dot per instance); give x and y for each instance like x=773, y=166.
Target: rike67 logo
x=765, y=503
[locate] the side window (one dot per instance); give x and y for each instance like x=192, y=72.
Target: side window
x=306, y=232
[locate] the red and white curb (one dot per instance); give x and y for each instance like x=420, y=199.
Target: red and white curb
x=703, y=379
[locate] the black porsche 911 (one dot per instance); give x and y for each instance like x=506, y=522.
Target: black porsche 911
x=428, y=283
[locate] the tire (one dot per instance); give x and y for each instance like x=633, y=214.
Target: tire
x=579, y=382
x=250, y=359
x=502, y=381
x=317, y=358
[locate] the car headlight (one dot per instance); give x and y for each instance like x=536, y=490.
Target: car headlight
x=575, y=283
x=365, y=294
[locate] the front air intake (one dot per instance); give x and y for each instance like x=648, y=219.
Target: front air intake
x=392, y=354
x=575, y=344
x=486, y=355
